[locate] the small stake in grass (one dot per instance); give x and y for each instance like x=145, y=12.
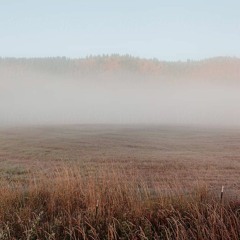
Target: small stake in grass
x=222, y=194
x=97, y=205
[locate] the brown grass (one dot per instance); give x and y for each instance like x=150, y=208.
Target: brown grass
x=119, y=182
x=189, y=154
x=112, y=204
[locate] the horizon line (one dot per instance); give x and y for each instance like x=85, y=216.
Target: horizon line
x=121, y=55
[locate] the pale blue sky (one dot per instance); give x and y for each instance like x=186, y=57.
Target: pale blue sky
x=167, y=30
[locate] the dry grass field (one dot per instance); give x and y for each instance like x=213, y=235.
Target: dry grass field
x=188, y=155
x=119, y=182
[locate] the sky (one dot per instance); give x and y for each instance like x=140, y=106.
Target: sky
x=169, y=30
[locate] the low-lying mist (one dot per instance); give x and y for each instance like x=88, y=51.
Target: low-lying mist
x=117, y=97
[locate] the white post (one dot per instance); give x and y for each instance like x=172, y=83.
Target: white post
x=222, y=193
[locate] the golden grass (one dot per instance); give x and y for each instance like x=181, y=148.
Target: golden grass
x=112, y=203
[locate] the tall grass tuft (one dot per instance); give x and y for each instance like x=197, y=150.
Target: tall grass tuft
x=112, y=204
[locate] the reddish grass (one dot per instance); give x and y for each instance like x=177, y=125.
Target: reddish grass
x=112, y=203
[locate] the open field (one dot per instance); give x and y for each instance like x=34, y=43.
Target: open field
x=190, y=155
x=119, y=182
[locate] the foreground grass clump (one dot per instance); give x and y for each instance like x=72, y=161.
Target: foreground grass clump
x=112, y=204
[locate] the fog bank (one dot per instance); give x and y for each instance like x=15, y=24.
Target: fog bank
x=122, y=96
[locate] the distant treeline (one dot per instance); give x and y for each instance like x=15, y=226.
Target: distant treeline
x=226, y=68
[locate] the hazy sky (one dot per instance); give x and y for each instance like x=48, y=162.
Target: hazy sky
x=168, y=30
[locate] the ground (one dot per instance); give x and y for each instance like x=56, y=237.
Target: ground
x=186, y=155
